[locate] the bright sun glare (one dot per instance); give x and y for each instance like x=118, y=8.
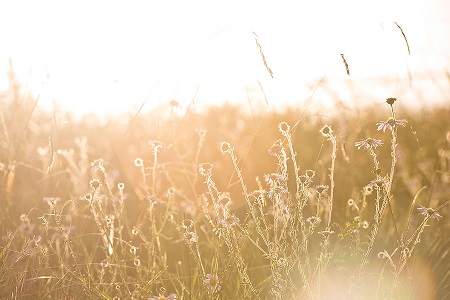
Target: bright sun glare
x=109, y=56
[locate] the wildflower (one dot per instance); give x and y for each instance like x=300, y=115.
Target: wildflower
x=212, y=282
x=256, y=193
x=95, y=184
x=155, y=145
x=51, y=201
x=368, y=143
x=139, y=162
x=278, y=190
x=326, y=131
x=190, y=237
x=326, y=233
x=391, y=101
x=205, y=169
x=277, y=148
x=379, y=183
x=428, y=212
x=162, y=297
x=97, y=164
x=321, y=188
x=229, y=221
x=390, y=124
x=313, y=220
x=273, y=178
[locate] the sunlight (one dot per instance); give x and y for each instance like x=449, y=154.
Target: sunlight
x=224, y=150
x=78, y=61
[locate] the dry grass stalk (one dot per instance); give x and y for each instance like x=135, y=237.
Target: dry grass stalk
x=262, y=55
x=346, y=64
x=404, y=36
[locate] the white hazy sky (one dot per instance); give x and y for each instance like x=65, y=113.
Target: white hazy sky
x=108, y=56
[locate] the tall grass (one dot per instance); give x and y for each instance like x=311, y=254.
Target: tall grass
x=224, y=205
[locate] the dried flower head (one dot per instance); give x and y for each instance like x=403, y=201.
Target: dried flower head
x=224, y=199
x=171, y=191
x=24, y=218
x=134, y=231
x=284, y=128
x=187, y=223
x=139, y=162
x=429, y=212
x=310, y=173
x=350, y=202
x=226, y=148
x=155, y=145
x=368, y=143
x=365, y=224
x=390, y=124
x=367, y=190
x=391, y=101
x=95, y=184
x=379, y=183
x=321, y=188
x=326, y=131
x=205, y=169
x=174, y=103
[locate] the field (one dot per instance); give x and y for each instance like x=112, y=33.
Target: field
x=227, y=204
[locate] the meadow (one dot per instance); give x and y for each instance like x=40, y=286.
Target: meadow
x=227, y=204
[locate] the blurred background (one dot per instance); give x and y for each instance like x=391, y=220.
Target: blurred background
x=113, y=56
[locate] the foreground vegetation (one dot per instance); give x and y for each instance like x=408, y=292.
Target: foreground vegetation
x=224, y=205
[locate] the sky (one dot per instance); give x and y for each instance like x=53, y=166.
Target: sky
x=112, y=56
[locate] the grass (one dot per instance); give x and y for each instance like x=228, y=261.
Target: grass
x=224, y=205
